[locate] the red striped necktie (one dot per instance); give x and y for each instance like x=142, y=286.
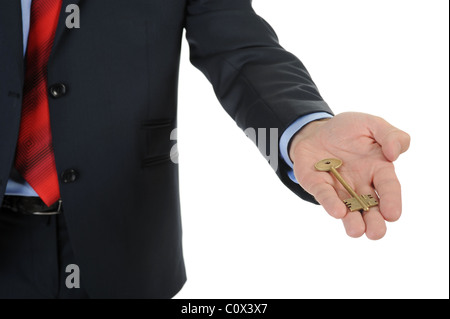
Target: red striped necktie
x=35, y=159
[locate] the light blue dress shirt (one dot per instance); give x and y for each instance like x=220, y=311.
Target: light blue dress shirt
x=24, y=189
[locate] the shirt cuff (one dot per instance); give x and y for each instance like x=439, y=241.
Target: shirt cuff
x=291, y=131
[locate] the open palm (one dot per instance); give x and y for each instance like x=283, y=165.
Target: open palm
x=367, y=146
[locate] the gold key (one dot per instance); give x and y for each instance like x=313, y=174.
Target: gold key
x=356, y=202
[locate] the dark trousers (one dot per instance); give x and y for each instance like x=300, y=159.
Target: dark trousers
x=34, y=254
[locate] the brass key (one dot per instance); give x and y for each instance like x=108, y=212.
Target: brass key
x=357, y=202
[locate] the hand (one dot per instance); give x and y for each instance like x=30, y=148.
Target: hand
x=367, y=146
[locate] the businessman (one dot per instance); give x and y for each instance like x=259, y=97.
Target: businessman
x=86, y=177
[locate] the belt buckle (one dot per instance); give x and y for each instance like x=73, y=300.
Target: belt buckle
x=49, y=213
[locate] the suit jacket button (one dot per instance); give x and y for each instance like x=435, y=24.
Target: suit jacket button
x=57, y=90
x=69, y=176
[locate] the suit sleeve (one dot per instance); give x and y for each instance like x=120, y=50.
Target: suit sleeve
x=259, y=84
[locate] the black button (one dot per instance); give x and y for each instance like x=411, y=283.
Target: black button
x=69, y=176
x=57, y=90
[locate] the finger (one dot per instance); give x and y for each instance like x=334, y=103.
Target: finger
x=392, y=140
x=354, y=224
x=375, y=224
x=327, y=196
x=389, y=191
x=373, y=220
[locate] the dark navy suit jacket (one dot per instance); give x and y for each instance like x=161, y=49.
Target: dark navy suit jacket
x=111, y=128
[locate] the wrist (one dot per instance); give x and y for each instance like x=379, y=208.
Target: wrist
x=306, y=131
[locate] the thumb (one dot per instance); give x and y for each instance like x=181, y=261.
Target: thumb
x=392, y=140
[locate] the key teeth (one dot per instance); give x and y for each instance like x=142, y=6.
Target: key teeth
x=348, y=204
x=370, y=200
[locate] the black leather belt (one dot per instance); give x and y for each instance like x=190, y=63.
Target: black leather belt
x=31, y=206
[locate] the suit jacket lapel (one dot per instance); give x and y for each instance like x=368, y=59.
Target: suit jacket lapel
x=11, y=35
x=61, y=28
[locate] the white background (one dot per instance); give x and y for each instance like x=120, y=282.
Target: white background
x=248, y=236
